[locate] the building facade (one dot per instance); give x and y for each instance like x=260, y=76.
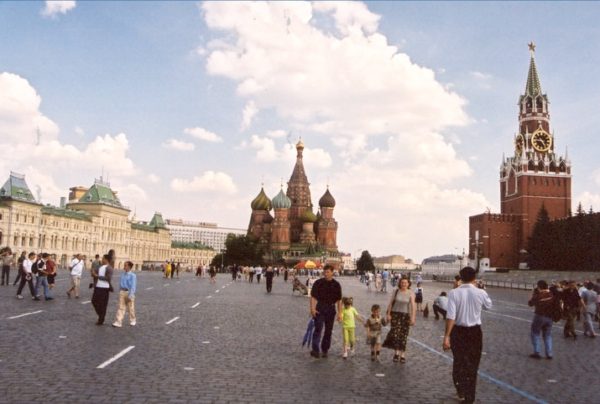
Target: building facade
x=208, y=234
x=534, y=176
x=92, y=222
x=295, y=232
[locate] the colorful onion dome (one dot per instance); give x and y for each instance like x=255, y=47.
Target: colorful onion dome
x=308, y=216
x=327, y=200
x=281, y=201
x=261, y=202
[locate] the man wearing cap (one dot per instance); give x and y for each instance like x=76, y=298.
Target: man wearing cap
x=463, y=332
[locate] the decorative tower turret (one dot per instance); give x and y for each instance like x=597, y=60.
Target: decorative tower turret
x=307, y=237
x=260, y=219
x=299, y=193
x=280, y=227
x=327, y=226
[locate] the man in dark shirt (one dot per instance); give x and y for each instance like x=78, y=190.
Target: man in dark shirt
x=544, y=302
x=572, y=304
x=325, y=294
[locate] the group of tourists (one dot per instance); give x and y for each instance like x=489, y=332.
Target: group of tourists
x=563, y=300
x=36, y=270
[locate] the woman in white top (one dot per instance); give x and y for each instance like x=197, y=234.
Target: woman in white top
x=102, y=289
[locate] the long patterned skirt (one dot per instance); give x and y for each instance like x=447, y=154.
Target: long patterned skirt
x=396, y=338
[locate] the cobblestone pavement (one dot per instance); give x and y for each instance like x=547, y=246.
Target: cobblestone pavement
x=231, y=342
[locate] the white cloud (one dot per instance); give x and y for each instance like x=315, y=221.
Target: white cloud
x=267, y=152
x=53, y=7
x=179, y=145
x=203, y=134
x=250, y=111
x=587, y=199
x=212, y=181
x=277, y=134
x=153, y=178
x=325, y=69
x=79, y=131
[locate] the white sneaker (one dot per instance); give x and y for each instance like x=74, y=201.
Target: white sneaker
x=132, y=323
x=19, y=297
x=345, y=355
x=117, y=325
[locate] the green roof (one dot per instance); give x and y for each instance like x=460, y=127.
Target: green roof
x=191, y=246
x=143, y=227
x=157, y=221
x=69, y=213
x=101, y=193
x=533, y=86
x=16, y=188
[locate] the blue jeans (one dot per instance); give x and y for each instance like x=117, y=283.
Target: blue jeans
x=541, y=325
x=44, y=282
x=325, y=317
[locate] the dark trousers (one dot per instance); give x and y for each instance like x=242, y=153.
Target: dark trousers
x=251, y=277
x=5, y=273
x=269, y=283
x=19, y=276
x=466, y=343
x=100, y=302
x=258, y=277
x=325, y=317
x=437, y=311
x=24, y=280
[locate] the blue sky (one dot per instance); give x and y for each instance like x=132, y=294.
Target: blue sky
x=409, y=138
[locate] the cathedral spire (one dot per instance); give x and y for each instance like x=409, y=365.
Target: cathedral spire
x=533, y=86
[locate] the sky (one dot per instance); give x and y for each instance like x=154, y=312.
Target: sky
x=405, y=108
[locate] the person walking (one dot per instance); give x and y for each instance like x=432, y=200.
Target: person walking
x=258, y=271
x=325, y=295
x=401, y=314
x=419, y=296
x=572, y=304
x=20, y=267
x=269, y=274
x=27, y=276
x=76, y=272
x=544, y=302
x=40, y=268
x=51, y=271
x=374, y=325
x=349, y=316
x=7, y=261
x=463, y=332
x=384, y=280
x=589, y=297
x=127, y=289
x=102, y=289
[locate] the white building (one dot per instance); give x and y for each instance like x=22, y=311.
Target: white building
x=208, y=234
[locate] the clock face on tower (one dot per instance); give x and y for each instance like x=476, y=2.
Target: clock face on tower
x=541, y=140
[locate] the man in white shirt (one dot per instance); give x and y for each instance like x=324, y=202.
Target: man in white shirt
x=463, y=332
x=76, y=271
x=27, y=276
x=258, y=272
x=440, y=306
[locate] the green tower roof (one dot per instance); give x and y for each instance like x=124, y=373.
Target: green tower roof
x=16, y=188
x=261, y=202
x=101, y=193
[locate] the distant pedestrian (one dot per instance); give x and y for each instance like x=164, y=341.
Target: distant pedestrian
x=325, y=295
x=544, y=302
x=127, y=289
x=269, y=273
x=96, y=264
x=285, y=274
x=7, y=261
x=463, y=332
x=589, y=297
x=258, y=272
x=41, y=269
x=76, y=272
x=212, y=272
x=20, y=267
x=419, y=296
x=440, y=306
x=251, y=274
x=384, y=280
x=51, y=271
x=401, y=313
x=378, y=281
x=572, y=305
x=374, y=324
x=102, y=289
x=27, y=276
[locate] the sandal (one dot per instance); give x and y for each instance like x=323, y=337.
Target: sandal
x=396, y=357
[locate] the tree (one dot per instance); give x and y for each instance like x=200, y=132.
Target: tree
x=365, y=263
x=540, y=241
x=240, y=250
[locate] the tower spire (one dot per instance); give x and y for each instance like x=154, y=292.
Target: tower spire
x=533, y=86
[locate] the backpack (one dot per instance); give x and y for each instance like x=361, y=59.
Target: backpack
x=35, y=269
x=557, y=310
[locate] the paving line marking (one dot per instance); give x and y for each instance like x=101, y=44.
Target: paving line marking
x=86, y=302
x=526, y=320
x=25, y=314
x=166, y=284
x=114, y=358
x=196, y=305
x=208, y=297
x=188, y=368
x=484, y=375
x=172, y=320
x=151, y=287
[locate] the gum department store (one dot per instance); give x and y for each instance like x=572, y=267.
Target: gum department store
x=92, y=222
